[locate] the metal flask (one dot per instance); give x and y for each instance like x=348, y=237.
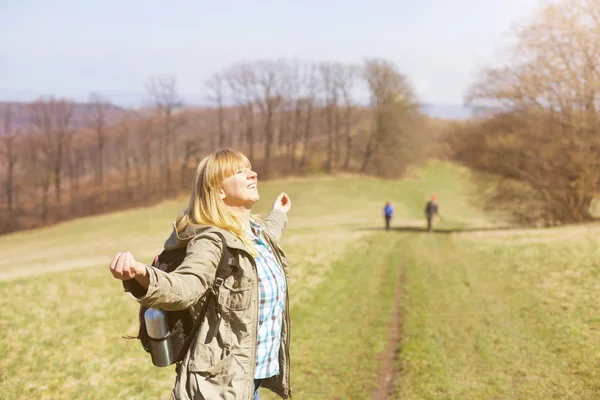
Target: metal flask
x=157, y=327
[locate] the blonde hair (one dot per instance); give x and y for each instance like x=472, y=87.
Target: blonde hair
x=206, y=206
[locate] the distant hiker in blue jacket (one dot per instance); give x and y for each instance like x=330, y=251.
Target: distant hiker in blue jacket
x=388, y=213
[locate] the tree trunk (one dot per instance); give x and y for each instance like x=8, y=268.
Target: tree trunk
x=329, y=118
x=250, y=132
x=307, y=131
x=368, y=153
x=100, y=160
x=337, y=129
x=348, y=135
x=57, y=177
x=268, y=140
x=9, y=185
x=44, y=207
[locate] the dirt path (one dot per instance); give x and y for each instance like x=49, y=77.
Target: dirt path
x=386, y=376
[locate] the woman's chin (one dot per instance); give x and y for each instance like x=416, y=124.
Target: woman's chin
x=253, y=200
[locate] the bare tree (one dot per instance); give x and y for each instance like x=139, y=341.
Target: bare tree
x=346, y=81
x=269, y=89
x=166, y=101
x=298, y=78
x=216, y=87
x=52, y=117
x=74, y=166
x=37, y=176
x=308, y=104
x=125, y=158
x=329, y=73
x=143, y=150
x=241, y=79
x=9, y=134
x=128, y=159
x=98, y=121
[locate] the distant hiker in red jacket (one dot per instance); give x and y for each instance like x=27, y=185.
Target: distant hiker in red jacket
x=431, y=210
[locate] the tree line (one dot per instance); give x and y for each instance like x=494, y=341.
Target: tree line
x=61, y=159
x=534, y=146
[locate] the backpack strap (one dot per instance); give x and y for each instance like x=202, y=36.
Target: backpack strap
x=226, y=266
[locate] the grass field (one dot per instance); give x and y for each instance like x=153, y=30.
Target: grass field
x=502, y=316
x=487, y=313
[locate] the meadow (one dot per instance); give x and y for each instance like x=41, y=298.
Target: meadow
x=488, y=311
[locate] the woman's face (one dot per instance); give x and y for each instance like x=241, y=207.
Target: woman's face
x=240, y=189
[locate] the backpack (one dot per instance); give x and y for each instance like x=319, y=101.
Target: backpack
x=431, y=208
x=182, y=329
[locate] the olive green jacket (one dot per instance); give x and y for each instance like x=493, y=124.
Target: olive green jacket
x=221, y=361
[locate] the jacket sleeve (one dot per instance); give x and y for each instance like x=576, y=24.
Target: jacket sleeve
x=276, y=223
x=183, y=287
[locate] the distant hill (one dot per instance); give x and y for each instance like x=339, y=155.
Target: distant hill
x=81, y=112
x=448, y=111
x=114, y=112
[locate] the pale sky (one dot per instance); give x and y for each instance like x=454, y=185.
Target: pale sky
x=72, y=47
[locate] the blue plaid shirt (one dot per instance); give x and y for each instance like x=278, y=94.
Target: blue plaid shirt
x=272, y=296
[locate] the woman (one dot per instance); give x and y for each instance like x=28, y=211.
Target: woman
x=251, y=347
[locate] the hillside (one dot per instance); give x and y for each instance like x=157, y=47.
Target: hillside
x=447, y=111
x=483, y=310
x=83, y=113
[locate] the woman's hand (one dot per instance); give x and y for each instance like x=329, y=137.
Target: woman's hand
x=124, y=267
x=282, y=203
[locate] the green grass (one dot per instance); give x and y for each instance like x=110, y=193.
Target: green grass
x=487, y=314
x=62, y=340
x=65, y=315
x=508, y=315
x=339, y=331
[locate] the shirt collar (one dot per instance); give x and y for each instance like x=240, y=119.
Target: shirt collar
x=255, y=229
